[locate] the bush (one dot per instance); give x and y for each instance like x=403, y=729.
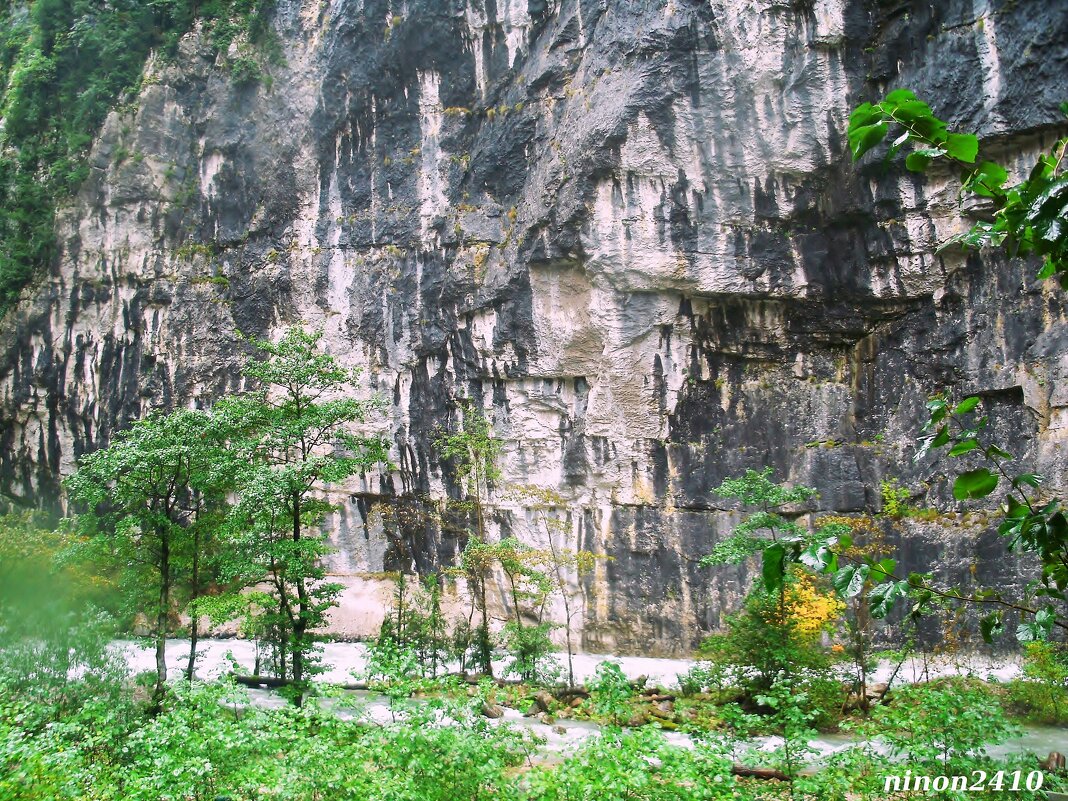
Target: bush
x=1042, y=694
x=762, y=644
x=941, y=725
x=531, y=652
x=611, y=693
x=636, y=765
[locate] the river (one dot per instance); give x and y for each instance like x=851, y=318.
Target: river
x=345, y=660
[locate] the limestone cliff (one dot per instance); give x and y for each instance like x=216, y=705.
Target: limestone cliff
x=629, y=230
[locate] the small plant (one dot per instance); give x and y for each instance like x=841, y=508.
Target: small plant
x=895, y=499
x=611, y=693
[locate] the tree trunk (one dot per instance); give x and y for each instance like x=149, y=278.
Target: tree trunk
x=194, y=615
x=300, y=625
x=485, y=654
x=562, y=584
x=161, y=618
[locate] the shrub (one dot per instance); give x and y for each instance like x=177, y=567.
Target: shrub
x=1042, y=694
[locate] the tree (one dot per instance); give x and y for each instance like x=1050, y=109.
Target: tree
x=529, y=645
x=561, y=563
x=775, y=637
x=143, y=499
x=474, y=450
x=295, y=437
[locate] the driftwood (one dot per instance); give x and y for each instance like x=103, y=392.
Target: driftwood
x=272, y=682
x=1054, y=763
x=759, y=773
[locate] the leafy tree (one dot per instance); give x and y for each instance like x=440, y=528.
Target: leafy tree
x=781, y=537
x=774, y=641
x=143, y=499
x=476, y=566
x=416, y=621
x=295, y=437
x=611, y=693
x=559, y=563
x=529, y=584
x=474, y=451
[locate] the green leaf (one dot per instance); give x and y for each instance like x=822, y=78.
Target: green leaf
x=994, y=452
x=899, y=96
x=963, y=147
x=974, y=484
x=966, y=405
x=990, y=626
x=987, y=179
x=773, y=568
x=881, y=599
x=1028, y=632
x=818, y=557
x=864, y=115
x=963, y=447
x=849, y=581
x=919, y=160
x=863, y=139
x=1028, y=479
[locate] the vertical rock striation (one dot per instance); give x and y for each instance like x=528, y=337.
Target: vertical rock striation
x=629, y=230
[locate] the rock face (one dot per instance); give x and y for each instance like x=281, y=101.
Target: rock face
x=628, y=230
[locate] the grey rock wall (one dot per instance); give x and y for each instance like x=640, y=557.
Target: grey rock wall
x=629, y=230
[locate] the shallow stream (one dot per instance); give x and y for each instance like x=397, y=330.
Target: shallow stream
x=346, y=660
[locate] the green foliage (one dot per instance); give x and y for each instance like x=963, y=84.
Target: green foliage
x=531, y=650
x=1033, y=523
x=290, y=440
x=1041, y=694
x=417, y=620
x=611, y=693
x=209, y=742
x=145, y=499
x=784, y=538
x=704, y=676
x=793, y=715
x=473, y=450
x=763, y=647
x=63, y=65
x=1028, y=217
x=895, y=499
x=636, y=765
x=941, y=726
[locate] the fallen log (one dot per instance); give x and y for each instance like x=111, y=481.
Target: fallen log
x=273, y=682
x=759, y=773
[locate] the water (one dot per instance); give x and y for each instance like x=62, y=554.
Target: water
x=346, y=660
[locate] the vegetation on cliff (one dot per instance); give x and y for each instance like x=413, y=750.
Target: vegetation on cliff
x=63, y=65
